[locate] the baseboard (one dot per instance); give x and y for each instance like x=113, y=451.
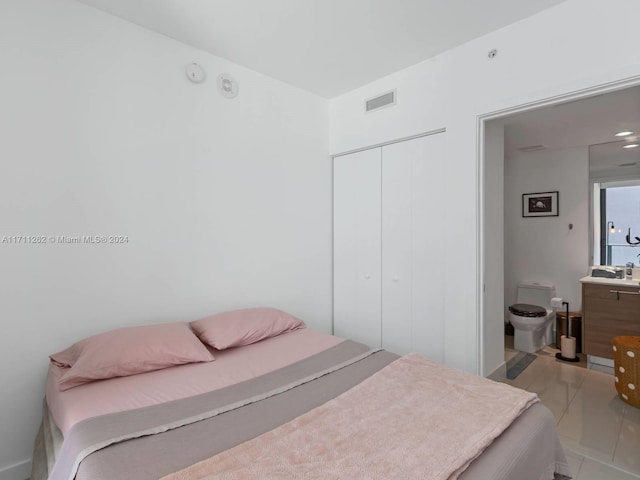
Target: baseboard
x=19, y=471
x=499, y=373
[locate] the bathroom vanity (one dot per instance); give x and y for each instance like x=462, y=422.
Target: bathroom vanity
x=610, y=307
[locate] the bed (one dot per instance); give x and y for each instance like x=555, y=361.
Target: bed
x=286, y=401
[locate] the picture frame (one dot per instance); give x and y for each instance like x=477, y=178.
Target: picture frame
x=540, y=204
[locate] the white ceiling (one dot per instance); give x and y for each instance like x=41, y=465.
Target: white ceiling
x=591, y=121
x=327, y=47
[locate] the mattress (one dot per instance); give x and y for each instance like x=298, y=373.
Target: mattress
x=231, y=366
x=148, y=442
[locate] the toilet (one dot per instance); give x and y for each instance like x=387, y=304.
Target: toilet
x=532, y=316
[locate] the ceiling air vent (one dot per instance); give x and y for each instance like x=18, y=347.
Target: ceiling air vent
x=532, y=148
x=385, y=100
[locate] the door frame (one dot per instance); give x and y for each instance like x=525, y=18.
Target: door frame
x=481, y=119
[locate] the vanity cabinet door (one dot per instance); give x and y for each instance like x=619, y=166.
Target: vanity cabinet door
x=608, y=311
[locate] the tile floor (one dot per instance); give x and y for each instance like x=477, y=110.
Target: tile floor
x=600, y=433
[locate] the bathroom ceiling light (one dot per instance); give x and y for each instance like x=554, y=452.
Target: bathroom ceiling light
x=623, y=134
x=632, y=145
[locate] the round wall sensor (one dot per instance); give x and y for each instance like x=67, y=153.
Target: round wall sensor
x=228, y=85
x=195, y=73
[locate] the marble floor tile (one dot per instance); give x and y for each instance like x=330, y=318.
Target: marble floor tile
x=593, y=420
x=575, y=463
x=627, y=452
x=594, y=470
x=556, y=384
x=600, y=433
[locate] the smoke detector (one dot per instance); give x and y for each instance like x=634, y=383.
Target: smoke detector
x=228, y=86
x=195, y=73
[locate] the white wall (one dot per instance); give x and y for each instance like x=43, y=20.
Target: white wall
x=226, y=203
x=493, y=246
x=549, y=54
x=544, y=249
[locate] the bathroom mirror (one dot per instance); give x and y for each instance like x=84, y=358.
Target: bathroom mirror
x=614, y=176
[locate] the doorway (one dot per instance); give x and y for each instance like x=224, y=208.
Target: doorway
x=512, y=124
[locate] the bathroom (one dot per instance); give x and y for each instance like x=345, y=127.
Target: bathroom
x=568, y=153
x=565, y=152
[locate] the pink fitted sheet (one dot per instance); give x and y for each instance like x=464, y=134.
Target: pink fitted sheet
x=230, y=366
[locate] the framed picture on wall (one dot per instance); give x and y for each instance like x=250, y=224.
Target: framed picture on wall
x=544, y=204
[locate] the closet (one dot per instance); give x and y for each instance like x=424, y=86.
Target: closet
x=388, y=215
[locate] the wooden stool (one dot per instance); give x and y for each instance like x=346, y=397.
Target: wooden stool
x=626, y=359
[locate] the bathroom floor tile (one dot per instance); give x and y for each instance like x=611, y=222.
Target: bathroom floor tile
x=600, y=383
x=575, y=463
x=522, y=380
x=553, y=376
x=557, y=385
x=557, y=402
x=509, y=354
x=579, y=448
x=627, y=452
x=593, y=421
x=550, y=351
x=600, y=433
x=594, y=470
x=529, y=374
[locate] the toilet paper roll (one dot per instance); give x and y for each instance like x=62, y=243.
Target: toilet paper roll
x=568, y=346
x=556, y=302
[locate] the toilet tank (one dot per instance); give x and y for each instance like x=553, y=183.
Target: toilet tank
x=536, y=294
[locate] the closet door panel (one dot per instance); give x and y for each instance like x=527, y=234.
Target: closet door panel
x=357, y=246
x=397, y=160
x=412, y=246
x=429, y=264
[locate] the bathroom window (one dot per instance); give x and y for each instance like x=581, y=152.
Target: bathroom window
x=618, y=205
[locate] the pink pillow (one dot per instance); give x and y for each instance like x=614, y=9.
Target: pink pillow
x=244, y=327
x=128, y=351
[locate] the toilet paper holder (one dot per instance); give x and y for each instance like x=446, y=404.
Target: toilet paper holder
x=567, y=351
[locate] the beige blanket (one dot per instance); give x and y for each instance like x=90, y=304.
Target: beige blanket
x=414, y=419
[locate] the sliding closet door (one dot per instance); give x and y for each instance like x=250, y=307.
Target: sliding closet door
x=413, y=246
x=356, y=247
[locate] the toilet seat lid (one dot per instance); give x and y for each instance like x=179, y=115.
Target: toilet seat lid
x=526, y=310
